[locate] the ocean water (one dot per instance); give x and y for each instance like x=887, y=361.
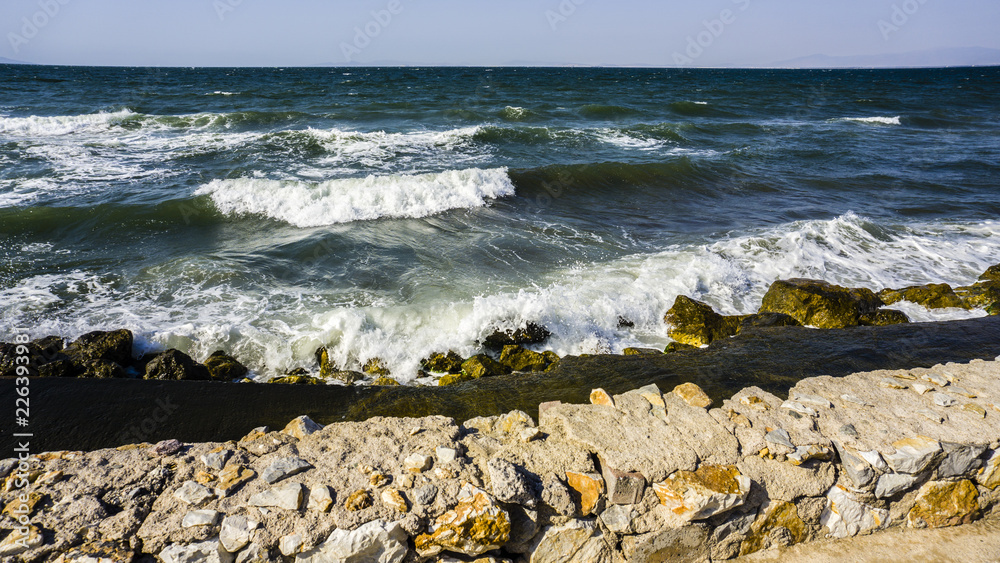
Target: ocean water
x=399, y=212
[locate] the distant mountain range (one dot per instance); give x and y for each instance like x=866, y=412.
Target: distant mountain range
x=968, y=56
x=6, y=61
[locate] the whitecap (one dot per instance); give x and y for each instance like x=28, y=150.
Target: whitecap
x=875, y=120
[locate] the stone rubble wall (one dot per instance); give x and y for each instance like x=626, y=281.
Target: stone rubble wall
x=642, y=476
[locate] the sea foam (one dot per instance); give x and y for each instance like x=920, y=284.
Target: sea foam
x=875, y=120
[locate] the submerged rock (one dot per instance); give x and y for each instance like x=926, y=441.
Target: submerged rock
x=532, y=333
x=819, y=303
x=520, y=359
x=224, y=367
x=176, y=365
x=443, y=363
x=931, y=296
x=678, y=347
x=696, y=324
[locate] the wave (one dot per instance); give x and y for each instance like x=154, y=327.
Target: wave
x=512, y=113
x=874, y=120
x=358, y=199
x=47, y=126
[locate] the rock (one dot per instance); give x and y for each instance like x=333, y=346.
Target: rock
x=327, y=368
x=383, y=381
x=532, y=333
x=224, y=367
x=703, y=493
x=803, y=454
x=284, y=468
x=799, y=408
x=114, y=346
x=623, y=487
x=784, y=481
x=678, y=347
x=891, y=484
x=844, y=516
x=483, y=366
x=577, y=541
x=18, y=542
x=991, y=274
x=297, y=380
x=100, y=369
x=378, y=480
x=167, y=447
x=688, y=544
x=618, y=518
x=777, y=525
x=914, y=455
x=445, y=454
x=476, y=525
x=443, y=363
x=202, y=552
x=641, y=352
x=417, y=463
x=625, y=323
x=763, y=320
x=982, y=295
x=425, y=495
x=858, y=470
x=520, y=359
x=696, y=324
x=922, y=389
x=989, y=477
x=820, y=304
x=288, y=497
x=890, y=383
x=394, y=499
x=374, y=542
x=98, y=552
x=320, y=499
x=200, y=518
x=601, y=397
x=931, y=296
x=812, y=400
x=301, y=427
x=693, y=395
x=779, y=436
x=290, y=545
x=232, y=478
x=358, y=500
x=941, y=504
x=217, y=459
x=590, y=489
x=254, y=553
x=529, y=435
x=176, y=366
x=454, y=379
x=508, y=484
x=194, y=494
x=942, y=400
x=376, y=366
x=236, y=532
x=884, y=317
x=556, y=496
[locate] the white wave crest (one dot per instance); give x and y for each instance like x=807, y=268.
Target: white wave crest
x=358, y=199
x=57, y=125
x=875, y=120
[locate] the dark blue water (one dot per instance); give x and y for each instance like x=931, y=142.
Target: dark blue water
x=396, y=212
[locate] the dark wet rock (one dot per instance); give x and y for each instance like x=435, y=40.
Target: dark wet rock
x=820, y=304
x=100, y=369
x=40, y=353
x=641, y=352
x=625, y=323
x=224, y=367
x=761, y=320
x=518, y=358
x=532, y=333
x=981, y=295
x=991, y=274
x=176, y=366
x=678, y=347
x=483, y=366
x=884, y=317
x=932, y=296
x=114, y=346
x=326, y=366
x=58, y=368
x=443, y=363
x=376, y=366
x=695, y=323
x=385, y=382
x=993, y=310
x=297, y=380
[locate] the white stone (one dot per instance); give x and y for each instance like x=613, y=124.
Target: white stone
x=803, y=454
x=290, y=545
x=875, y=460
x=939, y=380
x=320, y=498
x=194, y=494
x=892, y=484
x=374, y=542
x=200, y=518
x=288, y=496
x=932, y=416
x=446, y=455
x=284, y=468
x=203, y=552
x=780, y=436
x=921, y=388
x=236, y=532
x=813, y=400
x=961, y=391
x=216, y=460
x=799, y=408
x=942, y=400
x=618, y=518
x=417, y=463
x=890, y=383
x=577, y=541
x=855, y=400
x=913, y=455
x=530, y=434
x=845, y=517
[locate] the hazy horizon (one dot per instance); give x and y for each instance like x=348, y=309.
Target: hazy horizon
x=635, y=33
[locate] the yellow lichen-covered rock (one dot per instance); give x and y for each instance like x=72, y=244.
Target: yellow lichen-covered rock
x=482, y=366
x=376, y=366
x=819, y=303
x=443, y=363
x=589, y=487
x=601, y=397
x=693, y=395
x=777, y=525
x=932, y=296
x=884, y=317
x=475, y=526
x=696, y=495
x=358, y=500
x=383, y=381
x=696, y=324
x=518, y=358
x=941, y=504
x=393, y=499
x=991, y=274
x=26, y=507
x=980, y=295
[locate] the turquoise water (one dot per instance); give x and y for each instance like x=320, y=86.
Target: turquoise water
x=397, y=212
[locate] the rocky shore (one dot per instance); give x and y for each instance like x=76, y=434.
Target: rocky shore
x=639, y=476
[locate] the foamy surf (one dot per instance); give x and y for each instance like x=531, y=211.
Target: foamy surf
x=57, y=125
x=875, y=120
x=304, y=204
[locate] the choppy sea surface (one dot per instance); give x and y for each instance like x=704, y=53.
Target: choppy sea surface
x=401, y=211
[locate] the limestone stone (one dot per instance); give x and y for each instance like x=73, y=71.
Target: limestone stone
x=236, y=532
x=200, y=518
x=589, y=487
x=803, y=454
x=693, y=395
x=417, y=463
x=601, y=397
x=509, y=485
x=703, y=493
x=529, y=435
x=201, y=552
x=799, y=408
x=784, y=481
x=780, y=437
x=687, y=544
x=845, y=516
x=943, y=400
x=941, y=504
x=577, y=541
x=393, y=499
x=374, y=542
x=358, y=500
x=959, y=459
x=445, y=455
x=890, y=383
x=17, y=542
x=424, y=495
x=891, y=484
x=989, y=477
x=618, y=518
x=812, y=400
x=301, y=427
x=290, y=545
x=476, y=525
x=284, y=468
x=232, y=478
x=216, y=460
x=936, y=379
x=377, y=479
x=913, y=455
x=556, y=495
x=623, y=487
x=194, y=494
x=287, y=496
x=777, y=525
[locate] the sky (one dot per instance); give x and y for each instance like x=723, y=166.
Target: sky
x=483, y=32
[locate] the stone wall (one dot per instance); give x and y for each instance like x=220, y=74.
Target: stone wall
x=642, y=476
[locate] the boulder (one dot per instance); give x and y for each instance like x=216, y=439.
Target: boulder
x=114, y=346
x=820, y=304
x=375, y=542
x=696, y=324
x=577, y=541
x=532, y=333
x=376, y=366
x=518, y=358
x=696, y=495
x=483, y=366
x=99, y=369
x=224, y=367
x=941, y=504
x=981, y=295
x=176, y=366
x=765, y=320
x=884, y=317
x=845, y=516
x=931, y=296
x=991, y=274
x=443, y=363
x=476, y=525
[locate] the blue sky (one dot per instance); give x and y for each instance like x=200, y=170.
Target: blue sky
x=484, y=32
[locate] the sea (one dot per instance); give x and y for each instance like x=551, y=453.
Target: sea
x=396, y=212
